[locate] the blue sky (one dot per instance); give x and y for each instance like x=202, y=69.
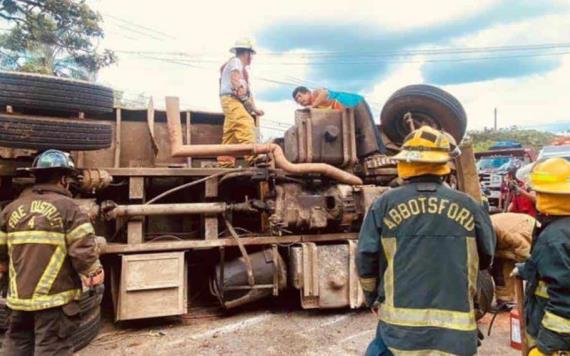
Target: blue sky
x=357, y=38
x=358, y=46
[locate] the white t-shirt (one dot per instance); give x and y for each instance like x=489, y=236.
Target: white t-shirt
x=226, y=79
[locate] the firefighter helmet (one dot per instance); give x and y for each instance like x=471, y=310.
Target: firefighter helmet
x=551, y=176
x=52, y=160
x=427, y=145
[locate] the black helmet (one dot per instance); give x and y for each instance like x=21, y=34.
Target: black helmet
x=52, y=160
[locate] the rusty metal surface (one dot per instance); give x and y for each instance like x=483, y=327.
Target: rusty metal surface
x=234, y=290
x=325, y=136
x=178, y=149
x=169, y=209
x=349, y=148
x=152, y=285
x=165, y=172
x=367, y=194
x=117, y=248
x=326, y=276
x=467, y=176
x=88, y=206
x=298, y=208
x=95, y=179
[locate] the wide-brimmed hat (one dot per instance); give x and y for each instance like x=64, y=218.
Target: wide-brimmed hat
x=243, y=43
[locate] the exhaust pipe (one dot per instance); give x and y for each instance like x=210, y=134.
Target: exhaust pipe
x=178, y=149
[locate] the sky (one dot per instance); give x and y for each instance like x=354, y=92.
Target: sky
x=513, y=55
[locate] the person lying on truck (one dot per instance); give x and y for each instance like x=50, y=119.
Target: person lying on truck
x=419, y=251
x=48, y=251
x=547, y=271
x=369, y=141
x=237, y=101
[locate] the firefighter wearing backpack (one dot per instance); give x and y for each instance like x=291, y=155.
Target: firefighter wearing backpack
x=419, y=251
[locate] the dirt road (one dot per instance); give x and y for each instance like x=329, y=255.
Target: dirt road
x=265, y=330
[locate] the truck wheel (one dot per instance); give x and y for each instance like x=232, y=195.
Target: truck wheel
x=3, y=314
x=45, y=133
x=90, y=318
x=428, y=105
x=88, y=329
x=24, y=90
x=485, y=294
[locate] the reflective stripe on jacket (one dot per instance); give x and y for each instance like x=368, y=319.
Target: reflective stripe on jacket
x=47, y=241
x=419, y=251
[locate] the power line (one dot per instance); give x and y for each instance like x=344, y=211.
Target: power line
x=432, y=51
x=366, y=62
x=141, y=27
x=144, y=34
x=356, y=54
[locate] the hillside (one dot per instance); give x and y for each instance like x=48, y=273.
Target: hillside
x=536, y=139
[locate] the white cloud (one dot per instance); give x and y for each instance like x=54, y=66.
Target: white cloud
x=531, y=100
x=208, y=30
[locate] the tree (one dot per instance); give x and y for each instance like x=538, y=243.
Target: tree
x=52, y=37
x=483, y=140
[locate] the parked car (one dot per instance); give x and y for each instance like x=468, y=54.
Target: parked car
x=493, y=165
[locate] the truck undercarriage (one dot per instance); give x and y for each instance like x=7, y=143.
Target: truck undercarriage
x=181, y=232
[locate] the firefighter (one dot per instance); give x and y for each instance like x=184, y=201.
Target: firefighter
x=48, y=250
x=237, y=101
x=419, y=251
x=514, y=237
x=547, y=271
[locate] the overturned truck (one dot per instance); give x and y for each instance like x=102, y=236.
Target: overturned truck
x=181, y=232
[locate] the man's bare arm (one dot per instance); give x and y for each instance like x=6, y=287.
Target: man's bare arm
x=322, y=95
x=257, y=110
x=239, y=85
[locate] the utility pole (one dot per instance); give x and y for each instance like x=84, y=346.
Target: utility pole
x=495, y=119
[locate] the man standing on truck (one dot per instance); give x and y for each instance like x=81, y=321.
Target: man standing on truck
x=547, y=271
x=368, y=138
x=237, y=101
x=48, y=250
x=419, y=251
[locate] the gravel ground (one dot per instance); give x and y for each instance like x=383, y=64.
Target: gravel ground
x=261, y=330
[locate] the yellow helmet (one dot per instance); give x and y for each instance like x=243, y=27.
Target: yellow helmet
x=551, y=176
x=427, y=145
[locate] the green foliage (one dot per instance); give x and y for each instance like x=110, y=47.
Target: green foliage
x=52, y=37
x=483, y=140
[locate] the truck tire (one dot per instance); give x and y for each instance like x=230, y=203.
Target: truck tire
x=90, y=318
x=3, y=314
x=45, y=133
x=87, y=330
x=428, y=105
x=485, y=294
x=35, y=91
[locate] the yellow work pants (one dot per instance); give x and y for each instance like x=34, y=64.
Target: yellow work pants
x=239, y=127
x=505, y=291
